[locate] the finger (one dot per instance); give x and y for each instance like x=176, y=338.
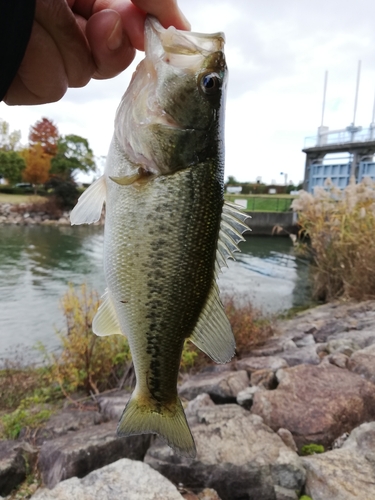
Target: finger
x=46, y=84
x=167, y=11
x=111, y=49
x=58, y=20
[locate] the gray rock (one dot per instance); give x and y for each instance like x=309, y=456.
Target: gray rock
x=301, y=355
x=245, y=397
x=362, y=439
x=237, y=455
x=196, y=404
x=316, y=403
x=112, y=405
x=16, y=460
x=338, y=359
x=222, y=387
x=342, y=345
x=363, y=363
x=287, y=438
x=253, y=364
x=339, y=475
x=122, y=480
x=78, y=453
x=263, y=378
x=306, y=340
x=285, y=494
x=66, y=421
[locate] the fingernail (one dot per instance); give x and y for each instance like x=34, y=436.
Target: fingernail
x=114, y=40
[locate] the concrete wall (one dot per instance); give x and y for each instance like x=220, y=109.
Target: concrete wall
x=262, y=223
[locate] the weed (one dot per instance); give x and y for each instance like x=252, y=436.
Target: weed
x=312, y=449
x=340, y=226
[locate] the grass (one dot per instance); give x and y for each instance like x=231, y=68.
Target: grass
x=264, y=203
x=15, y=199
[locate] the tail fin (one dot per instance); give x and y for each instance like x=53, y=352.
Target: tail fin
x=170, y=423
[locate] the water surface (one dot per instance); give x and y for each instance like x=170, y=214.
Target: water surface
x=37, y=264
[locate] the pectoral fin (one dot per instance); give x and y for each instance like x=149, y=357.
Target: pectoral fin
x=90, y=204
x=105, y=321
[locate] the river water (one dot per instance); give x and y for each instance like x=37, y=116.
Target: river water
x=37, y=264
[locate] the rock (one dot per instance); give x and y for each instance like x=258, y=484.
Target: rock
x=338, y=359
x=363, y=363
x=263, y=378
x=343, y=345
x=287, y=438
x=201, y=401
x=301, y=355
x=123, y=480
x=206, y=494
x=222, y=387
x=253, y=364
x=285, y=494
x=316, y=403
x=347, y=473
x=245, y=397
x=66, y=421
x=306, y=340
x=78, y=453
x=16, y=460
x=237, y=455
x=112, y=405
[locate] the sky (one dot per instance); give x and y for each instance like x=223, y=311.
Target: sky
x=277, y=53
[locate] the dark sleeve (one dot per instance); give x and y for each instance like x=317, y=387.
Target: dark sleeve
x=16, y=20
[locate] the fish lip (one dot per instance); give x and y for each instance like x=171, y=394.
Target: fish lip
x=184, y=42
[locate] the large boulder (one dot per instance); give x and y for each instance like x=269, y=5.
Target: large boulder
x=255, y=363
x=78, y=453
x=347, y=473
x=16, y=460
x=237, y=455
x=124, y=479
x=222, y=387
x=316, y=403
x=363, y=363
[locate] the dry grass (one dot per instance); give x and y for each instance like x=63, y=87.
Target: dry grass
x=341, y=228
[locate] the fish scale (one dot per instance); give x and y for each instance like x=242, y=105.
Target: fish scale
x=168, y=231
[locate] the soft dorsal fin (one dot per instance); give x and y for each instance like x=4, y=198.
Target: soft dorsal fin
x=213, y=333
x=105, y=320
x=90, y=204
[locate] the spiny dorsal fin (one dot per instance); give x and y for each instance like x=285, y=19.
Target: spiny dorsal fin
x=213, y=333
x=105, y=320
x=90, y=204
x=231, y=228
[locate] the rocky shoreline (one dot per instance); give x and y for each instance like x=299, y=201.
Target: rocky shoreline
x=25, y=214
x=313, y=383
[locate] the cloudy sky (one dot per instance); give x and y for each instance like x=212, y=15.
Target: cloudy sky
x=277, y=53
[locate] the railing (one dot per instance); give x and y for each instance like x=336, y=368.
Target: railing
x=348, y=135
x=270, y=203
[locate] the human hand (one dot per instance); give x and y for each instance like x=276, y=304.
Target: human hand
x=73, y=41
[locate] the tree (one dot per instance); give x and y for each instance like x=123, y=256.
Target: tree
x=73, y=154
x=11, y=166
x=9, y=141
x=45, y=133
x=38, y=165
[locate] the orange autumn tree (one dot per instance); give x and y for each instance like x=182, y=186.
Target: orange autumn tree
x=38, y=165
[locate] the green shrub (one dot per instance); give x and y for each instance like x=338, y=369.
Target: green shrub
x=340, y=227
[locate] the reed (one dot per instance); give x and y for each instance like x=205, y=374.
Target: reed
x=338, y=232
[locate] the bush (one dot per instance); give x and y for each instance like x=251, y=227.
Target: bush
x=340, y=227
x=87, y=362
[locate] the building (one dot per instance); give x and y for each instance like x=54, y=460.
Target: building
x=356, y=145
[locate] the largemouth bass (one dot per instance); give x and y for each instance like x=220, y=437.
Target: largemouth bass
x=168, y=231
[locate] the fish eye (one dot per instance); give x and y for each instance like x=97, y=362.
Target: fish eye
x=210, y=83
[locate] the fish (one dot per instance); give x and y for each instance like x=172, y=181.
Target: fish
x=168, y=232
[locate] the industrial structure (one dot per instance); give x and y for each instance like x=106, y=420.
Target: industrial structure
x=323, y=160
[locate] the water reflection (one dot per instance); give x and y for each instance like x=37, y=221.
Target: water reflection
x=37, y=263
